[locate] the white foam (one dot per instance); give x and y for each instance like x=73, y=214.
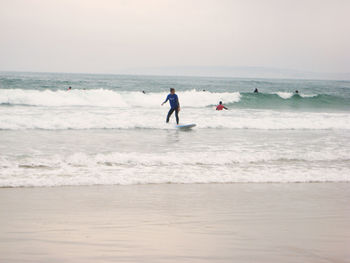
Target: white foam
x=20, y=118
x=288, y=95
x=207, y=167
x=107, y=109
x=285, y=95
x=308, y=95
x=109, y=98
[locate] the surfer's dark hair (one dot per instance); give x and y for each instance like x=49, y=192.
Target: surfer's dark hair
x=172, y=89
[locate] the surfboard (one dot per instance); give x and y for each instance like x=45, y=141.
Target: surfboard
x=185, y=126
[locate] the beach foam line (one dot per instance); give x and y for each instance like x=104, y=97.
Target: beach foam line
x=149, y=168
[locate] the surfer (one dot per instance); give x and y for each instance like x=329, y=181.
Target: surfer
x=256, y=90
x=220, y=106
x=297, y=92
x=174, y=105
x=69, y=88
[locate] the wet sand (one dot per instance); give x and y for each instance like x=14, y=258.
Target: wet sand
x=305, y=222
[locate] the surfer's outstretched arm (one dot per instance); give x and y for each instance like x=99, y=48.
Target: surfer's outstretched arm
x=167, y=98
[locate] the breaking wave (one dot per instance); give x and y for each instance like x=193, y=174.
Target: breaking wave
x=191, y=98
x=135, y=168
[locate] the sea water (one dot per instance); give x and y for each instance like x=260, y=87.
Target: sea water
x=106, y=130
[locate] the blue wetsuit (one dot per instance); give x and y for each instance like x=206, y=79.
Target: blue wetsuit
x=174, y=106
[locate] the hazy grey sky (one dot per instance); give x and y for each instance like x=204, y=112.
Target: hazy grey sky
x=107, y=36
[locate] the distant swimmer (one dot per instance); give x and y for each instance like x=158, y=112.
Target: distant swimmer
x=69, y=88
x=220, y=106
x=256, y=90
x=174, y=105
x=296, y=92
x=144, y=92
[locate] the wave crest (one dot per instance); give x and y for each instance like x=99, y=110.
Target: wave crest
x=190, y=98
x=109, y=98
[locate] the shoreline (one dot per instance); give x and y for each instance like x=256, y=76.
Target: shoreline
x=174, y=183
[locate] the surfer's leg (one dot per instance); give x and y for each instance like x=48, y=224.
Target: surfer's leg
x=169, y=114
x=177, y=115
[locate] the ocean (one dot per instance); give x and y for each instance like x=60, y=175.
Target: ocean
x=106, y=131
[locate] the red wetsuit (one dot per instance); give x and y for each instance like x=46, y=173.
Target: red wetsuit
x=220, y=107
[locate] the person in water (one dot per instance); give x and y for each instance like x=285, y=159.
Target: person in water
x=69, y=88
x=174, y=105
x=220, y=106
x=256, y=90
x=297, y=92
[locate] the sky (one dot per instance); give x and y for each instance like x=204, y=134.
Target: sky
x=116, y=36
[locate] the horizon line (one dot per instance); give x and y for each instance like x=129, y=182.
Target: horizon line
x=193, y=75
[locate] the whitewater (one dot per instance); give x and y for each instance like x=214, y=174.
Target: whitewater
x=111, y=129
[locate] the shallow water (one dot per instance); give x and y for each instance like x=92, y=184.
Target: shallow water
x=106, y=131
x=70, y=157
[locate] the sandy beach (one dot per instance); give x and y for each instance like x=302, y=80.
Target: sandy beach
x=293, y=222
x=174, y=131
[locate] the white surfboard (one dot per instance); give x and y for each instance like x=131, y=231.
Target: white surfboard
x=185, y=126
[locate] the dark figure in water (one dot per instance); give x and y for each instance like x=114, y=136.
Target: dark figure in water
x=296, y=92
x=256, y=90
x=69, y=88
x=174, y=105
x=220, y=106
x=144, y=92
